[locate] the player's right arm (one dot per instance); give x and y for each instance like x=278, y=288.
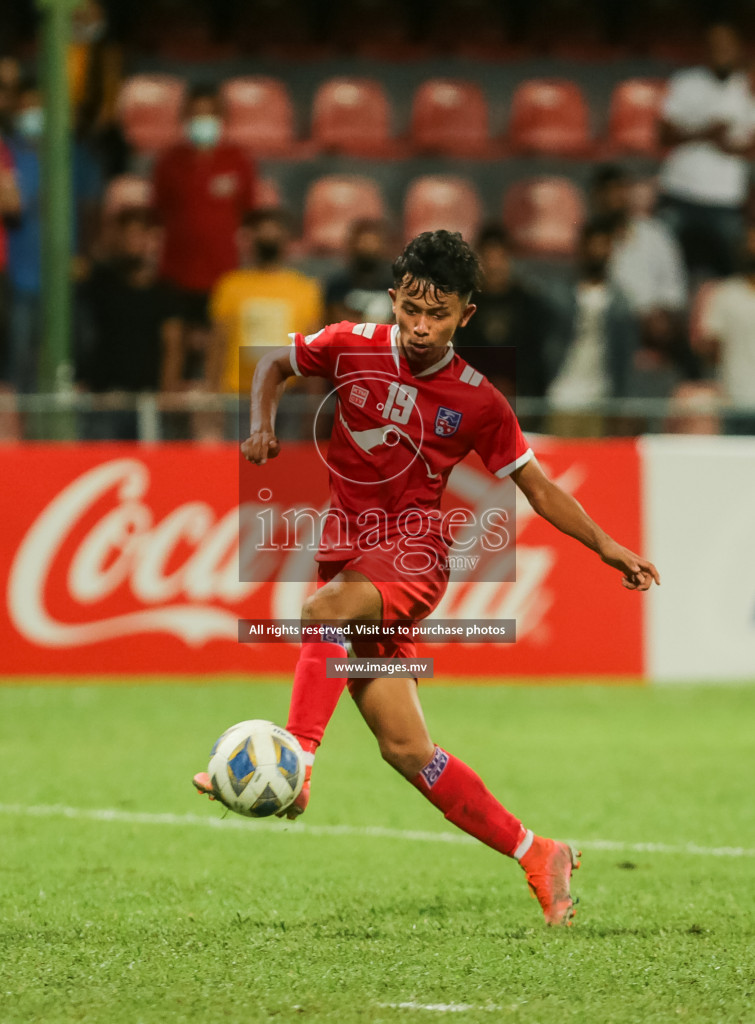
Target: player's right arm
x=309, y=355
x=270, y=376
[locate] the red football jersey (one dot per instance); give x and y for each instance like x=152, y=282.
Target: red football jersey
x=397, y=435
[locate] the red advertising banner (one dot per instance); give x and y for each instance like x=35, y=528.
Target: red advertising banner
x=121, y=559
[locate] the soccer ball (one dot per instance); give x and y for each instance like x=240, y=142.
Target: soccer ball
x=257, y=768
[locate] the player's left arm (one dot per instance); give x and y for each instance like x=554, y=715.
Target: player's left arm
x=565, y=513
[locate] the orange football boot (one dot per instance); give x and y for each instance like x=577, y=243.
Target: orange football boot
x=548, y=866
x=299, y=805
x=203, y=785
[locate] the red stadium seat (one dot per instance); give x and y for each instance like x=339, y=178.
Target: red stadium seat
x=352, y=115
x=549, y=115
x=450, y=117
x=544, y=216
x=126, y=191
x=259, y=115
x=437, y=201
x=331, y=206
x=633, y=117
x=150, y=111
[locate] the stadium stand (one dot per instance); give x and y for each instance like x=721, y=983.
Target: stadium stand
x=376, y=29
x=450, y=117
x=149, y=110
x=352, y=116
x=434, y=202
x=259, y=115
x=544, y=216
x=549, y=115
x=471, y=28
x=331, y=205
x=633, y=117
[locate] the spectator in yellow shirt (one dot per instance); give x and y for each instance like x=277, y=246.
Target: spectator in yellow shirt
x=258, y=305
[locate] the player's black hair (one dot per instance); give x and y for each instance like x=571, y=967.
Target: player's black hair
x=439, y=261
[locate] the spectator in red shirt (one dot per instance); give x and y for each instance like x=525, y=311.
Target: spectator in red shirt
x=203, y=188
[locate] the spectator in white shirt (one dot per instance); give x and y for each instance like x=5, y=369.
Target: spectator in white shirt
x=593, y=346
x=647, y=266
x=727, y=338
x=707, y=120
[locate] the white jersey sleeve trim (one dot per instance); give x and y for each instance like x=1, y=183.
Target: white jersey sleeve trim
x=394, y=345
x=516, y=464
x=292, y=356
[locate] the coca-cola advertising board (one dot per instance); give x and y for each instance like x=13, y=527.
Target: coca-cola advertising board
x=124, y=559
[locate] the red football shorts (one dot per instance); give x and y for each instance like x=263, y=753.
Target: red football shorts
x=409, y=598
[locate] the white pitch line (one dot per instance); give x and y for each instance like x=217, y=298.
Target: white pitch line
x=438, y=1007
x=367, y=831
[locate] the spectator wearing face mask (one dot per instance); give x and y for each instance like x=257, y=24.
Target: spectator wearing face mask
x=259, y=305
x=203, y=188
x=513, y=319
x=359, y=292
x=25, y=232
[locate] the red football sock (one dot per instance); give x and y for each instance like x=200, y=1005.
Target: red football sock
x=461, y=794
x=314, y=696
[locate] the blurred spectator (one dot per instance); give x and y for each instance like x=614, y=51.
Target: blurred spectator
x=647, y=266
x=130, y=338
x=95, y=70
x=259, y=305
x=25, y=232
x=707, y=120
x=203, y=188
x=727, y=337
x=646, y=261
x=10, y=78
x=510, y=314
x=597, y=338
x=359, y=292
x=10, y=203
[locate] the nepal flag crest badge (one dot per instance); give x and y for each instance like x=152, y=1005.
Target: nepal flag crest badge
x=446, y=421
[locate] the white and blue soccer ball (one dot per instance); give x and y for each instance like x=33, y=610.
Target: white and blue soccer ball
x=257, y=768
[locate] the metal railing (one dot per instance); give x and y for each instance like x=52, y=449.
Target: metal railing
x=150, y=417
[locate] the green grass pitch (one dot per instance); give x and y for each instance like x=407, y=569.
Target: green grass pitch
x=148, y=914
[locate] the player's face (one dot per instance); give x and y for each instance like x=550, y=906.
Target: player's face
x=427, y=320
